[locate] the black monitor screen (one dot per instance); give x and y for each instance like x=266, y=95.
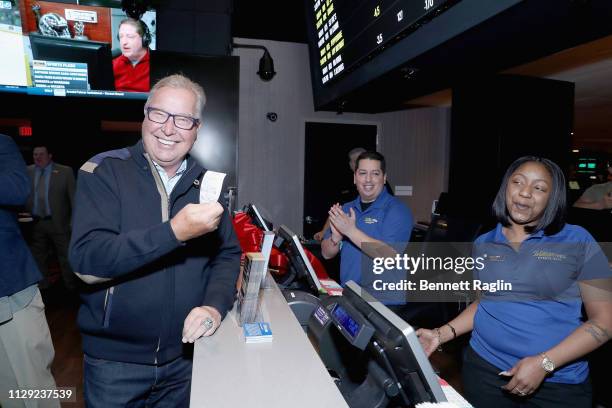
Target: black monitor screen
x=289, y=243
x=67, y=49
x=354, y=44
x=64, y=63
x=587, y=165
x=395, y=349
x=348, y=31
x=257, y=218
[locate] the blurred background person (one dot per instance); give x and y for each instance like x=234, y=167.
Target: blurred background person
x=26, y=349
x=51, y=203
x=598, y=196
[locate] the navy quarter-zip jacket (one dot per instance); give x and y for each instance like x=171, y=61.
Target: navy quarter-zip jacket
x=143, y=281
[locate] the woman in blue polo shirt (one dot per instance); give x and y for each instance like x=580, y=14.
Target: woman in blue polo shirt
x=528, y=344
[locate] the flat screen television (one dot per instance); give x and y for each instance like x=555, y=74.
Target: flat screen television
x=349, y=31
x=64, y=63
x=354, y=44
x=67, y=49
x=344, y=35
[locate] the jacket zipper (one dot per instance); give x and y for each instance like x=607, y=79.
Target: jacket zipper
x=165, y=217
x=108, y=305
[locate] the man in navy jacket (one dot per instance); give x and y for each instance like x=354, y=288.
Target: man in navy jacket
x=162, y=266
x=26, y=350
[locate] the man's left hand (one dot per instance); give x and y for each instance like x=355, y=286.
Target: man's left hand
x=195, y=323
x=341, y=221
x=527, y=375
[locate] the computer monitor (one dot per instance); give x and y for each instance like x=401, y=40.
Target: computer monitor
x=376, y=355
x=289, y=243
x=587, y=165
x=257, y=218
x=97, y=56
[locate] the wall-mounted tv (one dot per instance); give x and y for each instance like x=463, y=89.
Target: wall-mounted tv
x=393, y=51
x=75, y=48
x=349, y=31
x=375, y=56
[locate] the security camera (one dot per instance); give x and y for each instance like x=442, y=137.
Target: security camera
x=266, y=67
x=272, y=116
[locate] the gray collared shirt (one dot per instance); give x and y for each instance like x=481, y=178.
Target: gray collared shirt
x=170, y=182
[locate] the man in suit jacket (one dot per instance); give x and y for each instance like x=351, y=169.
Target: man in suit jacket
x=51, y=206
x=26, y=350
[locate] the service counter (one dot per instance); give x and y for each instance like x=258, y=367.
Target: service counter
x=227, y=372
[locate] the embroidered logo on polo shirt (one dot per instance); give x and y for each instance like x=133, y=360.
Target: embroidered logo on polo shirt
x=548, y=256
x=370, y=220
x=493, y=258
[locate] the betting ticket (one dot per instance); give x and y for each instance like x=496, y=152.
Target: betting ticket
x=211, y=186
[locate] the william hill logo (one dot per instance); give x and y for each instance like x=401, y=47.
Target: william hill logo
x=548, y=256
x=369, y=220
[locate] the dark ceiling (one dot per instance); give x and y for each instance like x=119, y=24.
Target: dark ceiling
x=270, y=20
x=589, y=66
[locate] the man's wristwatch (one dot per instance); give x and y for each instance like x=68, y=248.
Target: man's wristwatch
x=547, y=364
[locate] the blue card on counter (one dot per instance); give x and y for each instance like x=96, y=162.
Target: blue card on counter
x=257, y=332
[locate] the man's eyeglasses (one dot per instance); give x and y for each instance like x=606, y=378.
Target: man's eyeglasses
x=180, y=121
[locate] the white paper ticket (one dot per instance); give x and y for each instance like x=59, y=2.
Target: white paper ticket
x=211, y=186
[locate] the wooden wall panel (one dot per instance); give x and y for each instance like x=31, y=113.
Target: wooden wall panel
x=100, y=31
x=416, y=145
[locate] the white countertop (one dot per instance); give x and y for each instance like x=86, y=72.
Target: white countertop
x=227, y=372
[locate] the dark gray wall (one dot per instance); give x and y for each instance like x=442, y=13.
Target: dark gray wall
x=195, y=26
x=498, y=119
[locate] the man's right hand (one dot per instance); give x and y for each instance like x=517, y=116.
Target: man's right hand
x=195, y=220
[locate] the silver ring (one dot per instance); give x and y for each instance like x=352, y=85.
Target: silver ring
x=522, y=394
x=208, y=323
